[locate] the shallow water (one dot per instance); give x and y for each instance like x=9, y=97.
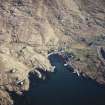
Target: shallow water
x=65, y=88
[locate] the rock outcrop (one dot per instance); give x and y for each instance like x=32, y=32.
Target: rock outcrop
x=5, y=98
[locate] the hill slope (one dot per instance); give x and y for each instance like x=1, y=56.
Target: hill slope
x=29, y=29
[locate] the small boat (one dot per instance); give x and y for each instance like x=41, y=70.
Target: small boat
x=77, y=72
x=65, y=64
x=19, y=82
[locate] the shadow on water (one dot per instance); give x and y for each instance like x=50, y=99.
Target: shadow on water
x=62, y=88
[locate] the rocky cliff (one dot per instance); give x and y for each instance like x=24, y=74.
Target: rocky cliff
x=29, y=29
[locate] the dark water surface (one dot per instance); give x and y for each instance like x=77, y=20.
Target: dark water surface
x=64, y=88
x=103, y=53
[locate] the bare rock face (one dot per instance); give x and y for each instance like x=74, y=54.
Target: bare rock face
x=29, y=29
x=5, y=98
